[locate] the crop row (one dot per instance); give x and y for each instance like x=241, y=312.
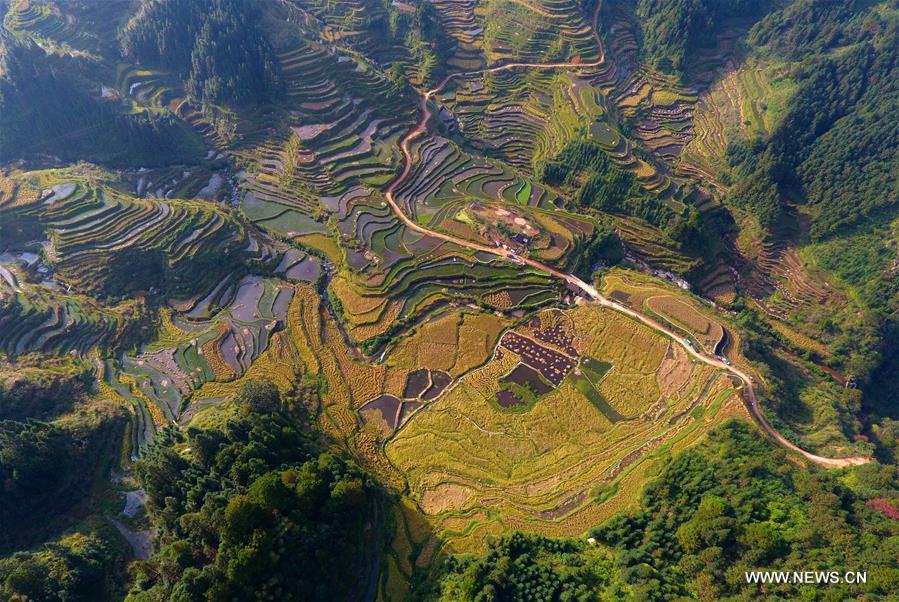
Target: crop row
x=343, y=131
x=537, y=31
x=46, y=23
x=92, y=226
x=37, y=319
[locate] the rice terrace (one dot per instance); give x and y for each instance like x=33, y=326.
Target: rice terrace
x=447, y=299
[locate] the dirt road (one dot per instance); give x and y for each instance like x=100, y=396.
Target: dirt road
x=425, y=113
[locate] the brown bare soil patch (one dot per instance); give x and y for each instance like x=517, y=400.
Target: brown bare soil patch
x=674, y=373
x=706, y=332
x=445, y=497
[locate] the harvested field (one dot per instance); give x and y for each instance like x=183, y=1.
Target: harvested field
x=408, y=408
x=416, y=384
x=525, y=376
x=620, y=296
x=444, y=497
x=706, y=332
x=693, y=318
x=476, y=451
x=454, y=342
x=551, y=364
x=521, y=389
x=675, y=373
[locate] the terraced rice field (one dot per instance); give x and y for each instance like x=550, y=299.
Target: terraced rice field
x=518, y=116
x=645, y=244
x=459, y=21
x=747, y=103
x=342, y=132
x=348, y=22
x=316, y=170
x=46, y=25
x=707, y=334
x=396, y=274
x=44, y=318
x=214, y=338
x=440, y=368
x=452, y=191
x=89, y=227
x=365, y=401
x=538, y=31
x=89, y=240
x=475, y=469
x=455, y=342
x=686, y=315
x=660, y=109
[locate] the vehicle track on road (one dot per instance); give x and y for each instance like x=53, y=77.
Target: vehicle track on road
x=590, y=291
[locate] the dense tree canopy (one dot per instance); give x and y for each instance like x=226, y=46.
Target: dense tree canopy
x=216, y=46
x=40, y=395
x=519, y=567
x=603, y=248
x=45, y=109
x=837, y=148
x=79, y=567
x=673, y=29
x=596, y=183
x=735, y=504
x=836, y=151
x=807, y=26
x=254, y=511
x=48, y=467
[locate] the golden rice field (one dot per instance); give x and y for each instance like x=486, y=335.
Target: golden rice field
x=679, y=310
x=471, y=469
x=475, y=470
x=454, y=342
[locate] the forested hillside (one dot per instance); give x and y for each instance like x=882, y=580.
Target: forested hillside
x=215, y=46
x=53, y=445
x=80, y=566
x=46, y=109
x=834, y=146
x=834, y=156
x=255, y=510
x=672, y=31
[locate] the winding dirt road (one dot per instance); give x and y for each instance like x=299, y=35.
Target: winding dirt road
x=590, y=291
